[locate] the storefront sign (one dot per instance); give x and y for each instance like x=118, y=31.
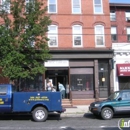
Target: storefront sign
x=123, y=69
x=57, y=63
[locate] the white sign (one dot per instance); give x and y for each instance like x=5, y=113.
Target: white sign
x=56, y=63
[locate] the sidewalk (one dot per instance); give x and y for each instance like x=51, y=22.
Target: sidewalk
x=76, y=111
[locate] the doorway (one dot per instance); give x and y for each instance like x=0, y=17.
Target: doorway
x=58, y=75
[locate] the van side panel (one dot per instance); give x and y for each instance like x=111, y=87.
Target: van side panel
x=24, y=101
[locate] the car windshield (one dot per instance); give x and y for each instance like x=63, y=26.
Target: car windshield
x=113, y=95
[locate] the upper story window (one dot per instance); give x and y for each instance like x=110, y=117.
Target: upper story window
x=53, y=36
x=99, y=36
x=128, y=34
x=5, y=5
x=52, y=6
x=98, y=7
x=112, y=15
x=113, y=34
x=127, y=15
x=77, y=36
x=76, y=6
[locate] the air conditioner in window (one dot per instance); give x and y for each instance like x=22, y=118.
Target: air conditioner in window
x=128, y=19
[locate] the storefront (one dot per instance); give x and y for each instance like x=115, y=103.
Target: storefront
x=123, y=73
x=82, y=73
x=121, y=61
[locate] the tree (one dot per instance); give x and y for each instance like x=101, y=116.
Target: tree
x=23, y=40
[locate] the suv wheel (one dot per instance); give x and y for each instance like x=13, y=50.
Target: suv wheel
x=107, y=113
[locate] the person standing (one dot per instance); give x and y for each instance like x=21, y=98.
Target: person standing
x=62, y=89
x=49, y=86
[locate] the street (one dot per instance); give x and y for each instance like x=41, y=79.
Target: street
x=54, y=122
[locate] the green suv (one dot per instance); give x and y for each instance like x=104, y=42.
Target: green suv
x=117, y=103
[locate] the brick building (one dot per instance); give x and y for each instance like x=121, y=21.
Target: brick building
x=120, y=31
x=80, y=44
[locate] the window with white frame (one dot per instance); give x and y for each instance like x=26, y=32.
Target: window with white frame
x=52, y=6
x=5, y=5
x=53, y=36
x=98, y=7
x=99, y=35
x=128, y=34
x=112, y=15
x=127, y=15
x=113, y=33
x=77, y=35
x=76, y=6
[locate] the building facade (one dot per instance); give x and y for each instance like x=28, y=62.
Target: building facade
x=120, y=33
x=80, y=44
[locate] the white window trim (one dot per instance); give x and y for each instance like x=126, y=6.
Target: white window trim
x=75, y=34
x=49, y=9
x=127, y=15
x=99, y=35
x=101, y=8
x=55, y=34
x=72, y=7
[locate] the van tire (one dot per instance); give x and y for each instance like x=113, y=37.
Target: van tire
x=107, y=113
x=39, y=114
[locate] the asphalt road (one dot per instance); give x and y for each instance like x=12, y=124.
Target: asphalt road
x=54, y=122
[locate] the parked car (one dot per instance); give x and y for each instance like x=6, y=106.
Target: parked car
x=117, y=103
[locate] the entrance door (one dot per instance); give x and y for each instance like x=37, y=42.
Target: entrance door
x=56, y=76
x=104, y=79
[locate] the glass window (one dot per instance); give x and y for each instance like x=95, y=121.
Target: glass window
x=112, y=15
x=81, y=79
x=35, y=84
x=3, y=90
x=52, y=6
x=76, y=6
x=5, y=5
x=127, y=15
x=113, y=34
x=53, y=36
x=99, y=35
x=124, y=82
x=128, y=33
x=98, y=6
x=77, y=35
x=126, y=96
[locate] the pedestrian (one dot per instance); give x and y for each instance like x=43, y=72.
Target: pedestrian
x=49, y=86
x=62, y=89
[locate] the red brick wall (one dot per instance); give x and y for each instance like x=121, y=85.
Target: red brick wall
x=120, y=23
x=87, y=19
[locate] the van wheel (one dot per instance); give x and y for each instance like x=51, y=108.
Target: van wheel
x=39, y=114
x=107, y=113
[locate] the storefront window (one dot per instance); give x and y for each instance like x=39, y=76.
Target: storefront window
x=81, y=82
x=124, y=82
x=35, y=84
x=81, y=79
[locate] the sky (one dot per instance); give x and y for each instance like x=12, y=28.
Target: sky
x=119, y=1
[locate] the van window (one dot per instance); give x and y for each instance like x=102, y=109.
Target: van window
x=3, y=90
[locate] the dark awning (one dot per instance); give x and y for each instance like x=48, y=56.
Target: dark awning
x=123, y=69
